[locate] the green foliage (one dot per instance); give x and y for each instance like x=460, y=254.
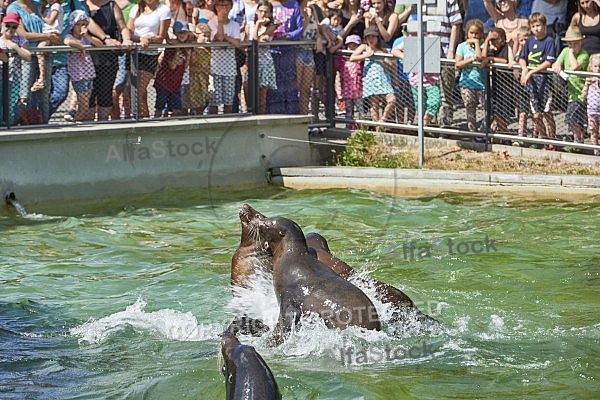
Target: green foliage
x=362, y=150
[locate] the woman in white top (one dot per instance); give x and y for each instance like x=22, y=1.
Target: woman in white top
x=149, y=23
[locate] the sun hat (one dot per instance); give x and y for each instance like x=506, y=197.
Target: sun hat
x=372, y=30
x=572, y=35
x=77, y=16
x=11, y=17
x=180, y=26
x=353, y=39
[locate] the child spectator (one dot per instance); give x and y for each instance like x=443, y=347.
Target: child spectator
x=80, y=65
x=471, y=78
x=496, y=50
x=574, y=58
x=404, y=97
x=351, y=80
x=169, y=74
x=591, y=93
x=196, y=96
x=521, y=96
x=432, y=95
x=10, y=40
x=52, y=14
x=264, y=27
x=335, y=30
x=223, y=62
x=335, y=34
x=377, y=85
x=538, y=53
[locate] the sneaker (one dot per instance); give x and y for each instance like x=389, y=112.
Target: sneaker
x=70, y=116
x=516, y=143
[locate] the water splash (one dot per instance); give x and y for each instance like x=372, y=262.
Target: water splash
x=12, y=200
x=171, y=324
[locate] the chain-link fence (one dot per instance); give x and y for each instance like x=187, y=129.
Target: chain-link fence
x=486, y=100
x=103, y=84
x=192, y=79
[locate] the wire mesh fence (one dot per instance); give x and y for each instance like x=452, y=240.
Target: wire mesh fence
x=191, y=79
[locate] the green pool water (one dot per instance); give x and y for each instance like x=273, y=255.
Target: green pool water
x=124, y=299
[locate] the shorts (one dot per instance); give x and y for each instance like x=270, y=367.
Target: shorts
x=224, y=90
x=82, y=86
x=539, y=89
x=145, y=62
x=167, y=99
x=305, y=57
x=576, y=114
x=320, y=63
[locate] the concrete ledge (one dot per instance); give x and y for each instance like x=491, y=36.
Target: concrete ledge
x=418, y=182
x=82, y=161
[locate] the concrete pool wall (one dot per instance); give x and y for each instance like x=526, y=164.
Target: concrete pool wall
x=81, y=162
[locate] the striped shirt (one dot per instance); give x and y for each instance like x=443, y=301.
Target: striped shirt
x=446, y=13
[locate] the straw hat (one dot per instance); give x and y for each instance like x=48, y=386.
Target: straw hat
x=573, y=34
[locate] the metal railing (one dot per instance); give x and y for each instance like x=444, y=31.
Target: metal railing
x=325, y=103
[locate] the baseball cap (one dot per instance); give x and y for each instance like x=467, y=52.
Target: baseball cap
x=180, y=26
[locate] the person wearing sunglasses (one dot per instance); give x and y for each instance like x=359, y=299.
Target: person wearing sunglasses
x=18, y=46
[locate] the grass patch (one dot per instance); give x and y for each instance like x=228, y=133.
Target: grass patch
x=363, y=150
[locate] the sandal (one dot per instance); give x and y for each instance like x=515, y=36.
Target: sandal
x=38, y=85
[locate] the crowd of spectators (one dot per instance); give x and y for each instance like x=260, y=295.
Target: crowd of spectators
x=471, y=33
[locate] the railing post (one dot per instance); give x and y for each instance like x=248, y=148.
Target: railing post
x=330, y=90
x=488, y=102
x=5, y=94
x=253, y=78
x=134, y=82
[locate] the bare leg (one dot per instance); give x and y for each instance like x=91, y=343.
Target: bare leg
x=83, y=106
x=551, y=124
x=144, y=81
x=262, y=99
x=390, y=102
x=539, y=130
x=374, y=107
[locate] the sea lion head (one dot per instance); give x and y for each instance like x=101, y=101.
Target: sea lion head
x=247, y=215
x=246, y=373
x=279, y=233
x=317, y=241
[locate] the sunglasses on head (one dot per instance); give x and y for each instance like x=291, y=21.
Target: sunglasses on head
x=11, y=26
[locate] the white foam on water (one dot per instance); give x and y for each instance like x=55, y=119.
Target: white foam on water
x=171, y=324
x=257, y=300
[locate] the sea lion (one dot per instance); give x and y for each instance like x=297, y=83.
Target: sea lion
x=250, y=254
x=247, y=326
x=247, y=375
x=403, y=305
x=304, y=284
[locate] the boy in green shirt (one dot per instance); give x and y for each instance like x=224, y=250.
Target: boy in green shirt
x=573, y=58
